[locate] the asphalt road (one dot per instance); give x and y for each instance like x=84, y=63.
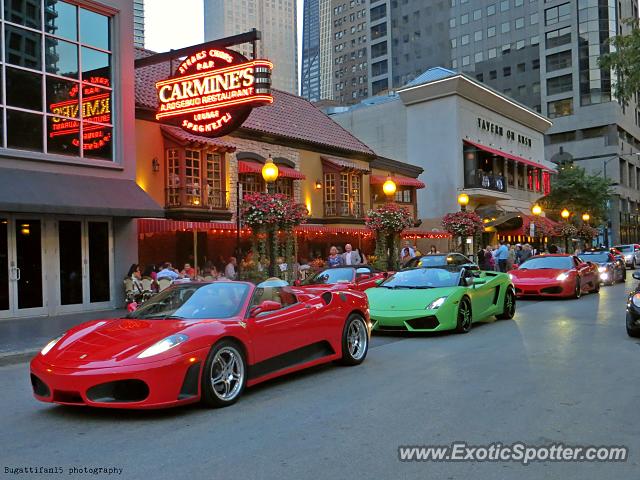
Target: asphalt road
x=562, y=371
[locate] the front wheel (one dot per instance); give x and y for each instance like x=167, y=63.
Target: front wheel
x=464, y=318
x=509, y=307
x=633, y=264
x=577, y=291
x=633, y=330
x=224, y=375
x=596, y=286
x=355, y=340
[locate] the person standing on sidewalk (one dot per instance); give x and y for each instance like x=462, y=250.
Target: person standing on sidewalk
x=501, y=255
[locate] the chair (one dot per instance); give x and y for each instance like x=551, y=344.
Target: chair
x=164, y=283
x=129, y=294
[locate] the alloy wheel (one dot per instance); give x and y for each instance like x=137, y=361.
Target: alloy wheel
x=357, y=339
x=227, y=373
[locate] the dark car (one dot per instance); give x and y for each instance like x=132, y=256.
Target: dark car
x=441, y=260
x=633, y=310
x=609, y=268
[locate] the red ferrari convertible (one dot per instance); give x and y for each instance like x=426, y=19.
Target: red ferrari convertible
x=356, y=277
x=557, y=275
x=201, y=341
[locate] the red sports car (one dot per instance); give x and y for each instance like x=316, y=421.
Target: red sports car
x=557, y=275
x=201, y=341
x=352, y=277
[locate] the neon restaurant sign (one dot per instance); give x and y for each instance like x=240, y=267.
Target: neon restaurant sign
x=214, y=91
x=96, y=107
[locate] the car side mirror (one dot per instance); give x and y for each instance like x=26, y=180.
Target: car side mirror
x=636, y=275
x=265, y=306
x=364, y=276
x=379, y=281
x=467, y=281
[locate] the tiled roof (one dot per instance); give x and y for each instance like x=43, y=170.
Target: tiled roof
x=183, y=137
x=289, y=116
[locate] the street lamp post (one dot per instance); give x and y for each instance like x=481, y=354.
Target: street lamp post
x=537, y=211
x=389, y=188
x=270, y=175
x=565, y=214
x=463, y=201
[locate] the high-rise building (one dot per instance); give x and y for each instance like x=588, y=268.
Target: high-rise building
x=138, y=23
x=589, y=127
x=276, y=20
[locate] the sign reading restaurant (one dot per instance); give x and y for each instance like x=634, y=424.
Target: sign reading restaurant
x=496, y=129
x=213, y=91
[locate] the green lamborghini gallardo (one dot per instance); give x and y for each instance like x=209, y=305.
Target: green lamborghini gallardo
x=440, y=298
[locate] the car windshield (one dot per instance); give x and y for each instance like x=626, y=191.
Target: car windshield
x=424, y=278
x=547, y=262
x=599, y=257
x=624, y=248
x=436, y=261
x=195, y=302
x=330, y=276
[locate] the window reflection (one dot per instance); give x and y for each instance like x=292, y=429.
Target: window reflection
x=24, y=130
x=63, y=136
x=23, y=47
x=94, y=29
x=61, y=19
x=62, y=57
x=95, y=63
x=24, y=89
x=23, y=12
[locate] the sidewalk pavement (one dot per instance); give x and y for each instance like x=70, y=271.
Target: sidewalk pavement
x=22, y=338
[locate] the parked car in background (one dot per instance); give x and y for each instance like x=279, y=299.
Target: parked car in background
x=611, y=269
x=353, y=277
x=441, y=260
x=633, y=310
x=631, y=254
x=558, y=275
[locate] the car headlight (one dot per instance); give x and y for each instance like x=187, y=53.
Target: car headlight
x=563, y=276
x=602, y=269
x=636, y=300
x=511, y=277
x=50, y=345
x=164, y=345
x=628, y=257
x=436, y=304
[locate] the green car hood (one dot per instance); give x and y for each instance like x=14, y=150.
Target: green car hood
x=398, y=300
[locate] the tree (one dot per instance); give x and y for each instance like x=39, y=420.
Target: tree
x=624, y=60
x=579, y=192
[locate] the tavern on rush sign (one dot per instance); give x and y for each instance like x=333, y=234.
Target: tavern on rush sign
x=213, y=91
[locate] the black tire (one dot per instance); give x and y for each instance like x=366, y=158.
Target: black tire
x=596, y=286
x=632, y=330
x=464, y=317
x=624, y=275
x=577, y=291
x=214, y=367
x=355, y=340
x=633, y=264
x=509, y=306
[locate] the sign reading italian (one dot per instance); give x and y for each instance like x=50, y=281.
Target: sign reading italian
x=213, y=91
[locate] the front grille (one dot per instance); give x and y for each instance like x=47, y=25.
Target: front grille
x=39, y=387
x=390, y=328
x=551, y=290
x=424, y=323
x=119, y=391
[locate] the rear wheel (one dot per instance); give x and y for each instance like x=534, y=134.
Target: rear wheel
x=509, y=307
x=577, y=291
x=355, y=340
x=224, y=375
x=596, y=286
x=464, y=319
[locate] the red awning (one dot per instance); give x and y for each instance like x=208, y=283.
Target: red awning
x=254, y=167
x=509, y=155
x=161, y=225
x=526, y=222
x=401, y=181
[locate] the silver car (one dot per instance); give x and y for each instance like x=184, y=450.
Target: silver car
x=631, y=254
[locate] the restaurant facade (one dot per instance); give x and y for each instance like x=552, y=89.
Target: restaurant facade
x=200, y=180
x=68, y=196
x=469, y=139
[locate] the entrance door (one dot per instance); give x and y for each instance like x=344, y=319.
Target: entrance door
x=84, y=264
x=21, y=272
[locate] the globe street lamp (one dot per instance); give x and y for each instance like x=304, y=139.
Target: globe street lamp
x=586, y=217
x=463, y=201
x=536, y=210
x=565, y=214
x=270, y=174
x=389, y=188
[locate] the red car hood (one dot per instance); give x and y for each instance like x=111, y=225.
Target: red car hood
x=110, y=341
x=537, y=273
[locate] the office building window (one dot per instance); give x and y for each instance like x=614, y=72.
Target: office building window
x=521, y=67
x=558, y=61
x=535, y=40
x=464, y=19
x=491, y=9
x=520, y=44
x=533, y=18
x=454, y=42
x=535, y=87
x=518, y=3
x=519, y=23
x=505, y=27
x=492, y=53
x=595, y=26
x=477, y=36
x=491, y=32
x=557, y=14
x=560, y=108
x=465, y=60
x=452, y=23
x=559, y=84
x=493, y=74
x=504, y=5
x=555, y=38
x=506, y=72
x=477, y=57
x=464, y=40
x=477, y=14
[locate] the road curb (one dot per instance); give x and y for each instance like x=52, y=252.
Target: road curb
x=11, y=358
